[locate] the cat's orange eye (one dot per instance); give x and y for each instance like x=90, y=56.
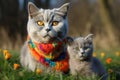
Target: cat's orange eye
x=55, y=23
x=40, y=23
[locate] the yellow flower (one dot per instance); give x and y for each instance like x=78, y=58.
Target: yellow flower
x=108, y=60
x=94, y=54
x=110, y=71
x=8, y=56
x=16, y=66
x=38, y=71
x=102, y=55
x=117, y=54
x=5, y=51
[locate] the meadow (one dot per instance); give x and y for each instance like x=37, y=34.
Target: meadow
x=10, y=68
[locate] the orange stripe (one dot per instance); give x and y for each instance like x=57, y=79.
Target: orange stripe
x=62, y=65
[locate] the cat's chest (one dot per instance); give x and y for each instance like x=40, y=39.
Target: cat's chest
x=81, y=66
x=60, y=49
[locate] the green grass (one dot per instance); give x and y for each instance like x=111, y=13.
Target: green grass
x=7, y=71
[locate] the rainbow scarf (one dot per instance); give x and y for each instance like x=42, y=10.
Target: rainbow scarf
x=43, y=53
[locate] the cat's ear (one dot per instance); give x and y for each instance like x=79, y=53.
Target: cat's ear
x=64, y=9
x=32, y=9
x=89, y=38
x=69, y=40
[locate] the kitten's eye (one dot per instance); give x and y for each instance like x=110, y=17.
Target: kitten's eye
x=40, y=23
x=55, y=23
x=86, y=47
x=77, y=48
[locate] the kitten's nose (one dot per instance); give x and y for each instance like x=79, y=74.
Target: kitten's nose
x=82, y=52
x=48, y=29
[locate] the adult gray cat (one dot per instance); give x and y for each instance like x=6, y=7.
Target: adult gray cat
x=44, y=26
x=81, y=60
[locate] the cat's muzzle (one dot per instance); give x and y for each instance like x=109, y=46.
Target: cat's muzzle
x=47, y=35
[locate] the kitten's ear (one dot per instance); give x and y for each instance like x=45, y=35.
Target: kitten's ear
x=89, y=38
x=32, y=9
x=64, y=9
x=69, y=40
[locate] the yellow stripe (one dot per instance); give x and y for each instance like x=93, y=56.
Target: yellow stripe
x=46, y=56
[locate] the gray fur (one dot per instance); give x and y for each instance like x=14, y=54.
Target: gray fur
x=39, y=33
x=81, y=60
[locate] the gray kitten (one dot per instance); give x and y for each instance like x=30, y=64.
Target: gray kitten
x=81, y=60
x=44, y=26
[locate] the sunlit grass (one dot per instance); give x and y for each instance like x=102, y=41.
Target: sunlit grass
x=111, y=60
x=10, y=69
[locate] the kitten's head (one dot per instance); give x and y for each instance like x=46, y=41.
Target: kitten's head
x=47, y=25
x=81, y=48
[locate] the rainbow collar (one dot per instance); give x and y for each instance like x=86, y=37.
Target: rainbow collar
x=43, y=54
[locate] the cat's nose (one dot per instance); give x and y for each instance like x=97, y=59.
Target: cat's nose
x=48, y=29
x=82, y=52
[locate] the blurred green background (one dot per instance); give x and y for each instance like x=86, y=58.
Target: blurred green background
x=100, y=17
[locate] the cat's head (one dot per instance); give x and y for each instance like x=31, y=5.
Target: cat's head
x=81, y=48
x=47, y=25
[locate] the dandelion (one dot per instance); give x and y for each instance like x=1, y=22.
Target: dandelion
x=38, y=71
x=110, y=71
x=94, y=54
x=16, y=66
x=102, y=54
x=117, y=54
x=108, y=60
